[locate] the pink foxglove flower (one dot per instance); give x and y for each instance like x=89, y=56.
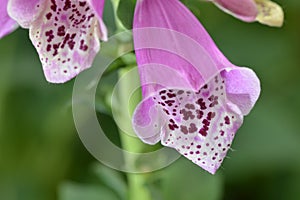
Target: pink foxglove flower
x=65, y=33
x=263, y=11
x=194, y=99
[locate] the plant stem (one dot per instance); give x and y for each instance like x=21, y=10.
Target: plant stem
x=136, y=182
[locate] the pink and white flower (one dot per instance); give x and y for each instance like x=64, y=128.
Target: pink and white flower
x=263, y=11
x=194, y=99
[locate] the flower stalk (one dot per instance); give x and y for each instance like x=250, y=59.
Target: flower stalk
x=136, y=181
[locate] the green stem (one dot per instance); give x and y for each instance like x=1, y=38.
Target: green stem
x=136, y=182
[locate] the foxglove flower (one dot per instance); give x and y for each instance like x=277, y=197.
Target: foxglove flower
x=263, y=11
x=194, y=99
x=65, y=33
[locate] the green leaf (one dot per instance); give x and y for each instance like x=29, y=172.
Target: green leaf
x=109, y=18
x=112, y=179
x=125, y=12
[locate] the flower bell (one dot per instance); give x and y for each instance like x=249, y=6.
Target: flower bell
x=194, y=99
x=263, y=11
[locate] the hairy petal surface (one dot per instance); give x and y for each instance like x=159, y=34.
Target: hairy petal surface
x=195, y=104
x=66, y=38
x=7, y=24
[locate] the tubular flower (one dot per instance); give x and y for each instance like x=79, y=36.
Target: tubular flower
x=65, y=33
x=263, y=11
x=194, y=99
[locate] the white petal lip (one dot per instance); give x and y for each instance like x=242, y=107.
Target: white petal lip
x=25, y=12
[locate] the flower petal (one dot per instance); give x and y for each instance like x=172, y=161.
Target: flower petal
x=7, y=25
x=25, y=12
x=66, y=38
x=167, y=33
x=98, y=6
x=147, y=121
x=242, y=88
x=245, y=10
x=269, y=13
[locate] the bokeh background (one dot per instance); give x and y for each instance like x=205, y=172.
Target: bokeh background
x=42, y=157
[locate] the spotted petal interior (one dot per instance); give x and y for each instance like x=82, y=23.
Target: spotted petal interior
x=66, y=38
x=199, y=124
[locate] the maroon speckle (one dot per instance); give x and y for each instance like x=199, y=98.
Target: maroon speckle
x=48, y=47
x=49, y=15
x=190, y=106
x=171, y=95
x=222, y=133
x=162, y=92
x=201, y=103
x=199, y=114
x=227, y=120
x=82, y=3
x=53, y=6
x=50, y=35
x=171, y=127
x=192, y=128
x=184, y=129
x=166, y=111
x=203, y=132
x=211, y=115
x=61, y=31
x=67, y=5
x=55, y=47
x=187, y=114
x=71, y=44
x=180, y=92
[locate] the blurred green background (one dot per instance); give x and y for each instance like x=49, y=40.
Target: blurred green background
x=41, y=156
